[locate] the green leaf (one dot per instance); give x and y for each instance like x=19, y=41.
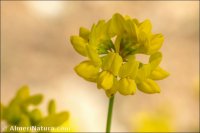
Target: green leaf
x=155, y=59
x=52, y=107
x=87, y=70
x=159, y=74
x=79, y=44
x=148, y=86
x=54, y=120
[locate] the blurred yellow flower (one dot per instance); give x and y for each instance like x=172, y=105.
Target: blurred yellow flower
x=159, y=120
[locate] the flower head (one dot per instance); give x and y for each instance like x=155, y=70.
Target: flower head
x=111, y=48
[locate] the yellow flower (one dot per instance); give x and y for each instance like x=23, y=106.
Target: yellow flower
x=126, y=86
x=112, y=47
x=105, y=80
x=87, y=70
x=148, y=86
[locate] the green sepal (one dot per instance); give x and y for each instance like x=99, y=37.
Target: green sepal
x=105, y=46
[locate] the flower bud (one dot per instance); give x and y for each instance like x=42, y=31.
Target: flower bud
x=149, y=86
x=105, y=80
x=87, y=70
x=126, y=86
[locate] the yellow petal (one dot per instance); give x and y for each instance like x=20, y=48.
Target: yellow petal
x=145, y=26
x=112, y=62
x=93, y=55
x=155, y=59
x=156, y=43
x=113, y=89
x=129, y=69
x=159, y=74
x=143, y=73
x=149, y=86
x=126, y=86
x=79, y=44
x=105, y=80
x=87, y=70
x=84, y=33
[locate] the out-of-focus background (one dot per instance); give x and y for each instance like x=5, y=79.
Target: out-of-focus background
x=36, y=51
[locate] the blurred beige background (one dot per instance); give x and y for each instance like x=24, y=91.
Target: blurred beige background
x=36, y=51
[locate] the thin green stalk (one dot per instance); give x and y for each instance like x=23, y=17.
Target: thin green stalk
x=109, y=117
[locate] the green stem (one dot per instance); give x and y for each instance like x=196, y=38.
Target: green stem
x=109, y=117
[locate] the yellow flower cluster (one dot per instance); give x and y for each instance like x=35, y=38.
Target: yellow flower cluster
x=18, y=112
x=111, y=48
